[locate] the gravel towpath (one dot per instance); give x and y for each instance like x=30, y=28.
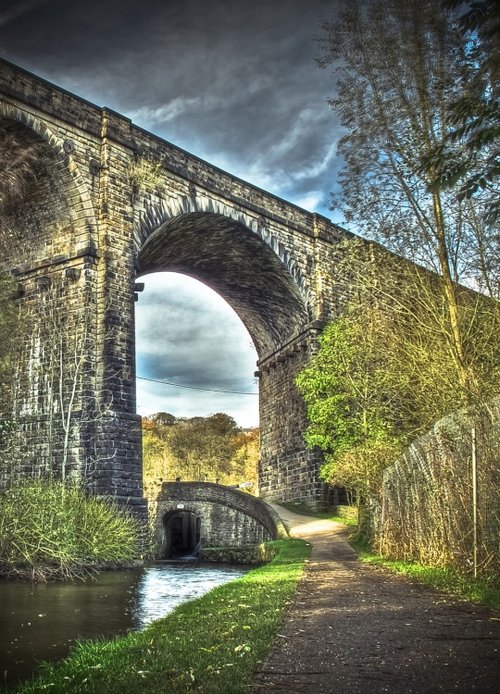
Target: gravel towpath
x=353, y=628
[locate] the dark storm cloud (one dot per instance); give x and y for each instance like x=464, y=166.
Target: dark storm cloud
x=233, y=82
x=10, y=10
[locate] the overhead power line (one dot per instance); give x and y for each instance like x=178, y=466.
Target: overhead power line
x=206, y=390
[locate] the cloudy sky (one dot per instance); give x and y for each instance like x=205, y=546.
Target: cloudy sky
x=233, y=82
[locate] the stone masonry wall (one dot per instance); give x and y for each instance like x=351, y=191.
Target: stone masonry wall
x=229, y=518
x=286, y=465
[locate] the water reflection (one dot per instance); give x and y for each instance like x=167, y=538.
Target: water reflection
x=162, y=587
x=42, y=621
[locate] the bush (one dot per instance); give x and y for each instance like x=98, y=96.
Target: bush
x=49, y=530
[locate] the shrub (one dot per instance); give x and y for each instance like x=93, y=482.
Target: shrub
x=51, y=530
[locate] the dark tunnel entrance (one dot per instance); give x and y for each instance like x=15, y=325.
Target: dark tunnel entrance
x=182, y=530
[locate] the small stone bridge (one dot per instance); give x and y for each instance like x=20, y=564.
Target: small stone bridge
x=109, y=202
x=194, y=516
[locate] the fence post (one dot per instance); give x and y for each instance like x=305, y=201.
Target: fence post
x=382, y=522
x=474, y=497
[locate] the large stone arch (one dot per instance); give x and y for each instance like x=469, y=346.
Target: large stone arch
x=206, y=211
x=244, y=263
x=57, y=167
x=243, y=269
x=95, y=229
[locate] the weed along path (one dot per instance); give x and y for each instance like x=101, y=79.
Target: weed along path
x=356, y=628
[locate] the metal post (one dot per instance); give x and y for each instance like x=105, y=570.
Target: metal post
x=474, y=497
x=382, y=523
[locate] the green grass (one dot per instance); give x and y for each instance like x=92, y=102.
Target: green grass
x=212, y=644
x=480, y=590
x=347, y=515
x=50, y=530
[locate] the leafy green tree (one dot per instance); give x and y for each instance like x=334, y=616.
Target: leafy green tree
x=163, y=419
x=352, y=411
x=159, y=463
x=384, y=373
x=205, y=446
x=245, y=460
x=346, y=388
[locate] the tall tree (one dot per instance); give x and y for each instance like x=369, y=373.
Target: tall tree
x=205, y=446
x=352, y=408
x=399, y=66
x=474, y=118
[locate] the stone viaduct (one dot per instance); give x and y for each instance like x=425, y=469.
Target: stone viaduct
x=109, y=202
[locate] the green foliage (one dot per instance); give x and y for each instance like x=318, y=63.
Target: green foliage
x=212, y=644
x=145, y=173
x=205, y=445
x=352, y=412
x=162, y=419
x=50, y=530
x=361, y=467
x=201, y=448
x=345, y=388
x=385, y=369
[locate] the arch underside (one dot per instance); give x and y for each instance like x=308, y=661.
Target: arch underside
x=45, y=221
x=232, y=260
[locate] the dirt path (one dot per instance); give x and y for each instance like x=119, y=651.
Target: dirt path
x=355, y=628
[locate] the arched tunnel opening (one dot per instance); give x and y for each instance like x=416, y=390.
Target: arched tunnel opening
x=224, y=258
x=182, y=534
x=233, y=261
x=194, y=359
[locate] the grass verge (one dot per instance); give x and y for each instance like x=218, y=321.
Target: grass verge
x=485, y=591
x=212, y=644
x=50, y=530
x=347, y=515
x=480, y=590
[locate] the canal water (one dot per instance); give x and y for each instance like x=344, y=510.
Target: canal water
x=42, y=621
